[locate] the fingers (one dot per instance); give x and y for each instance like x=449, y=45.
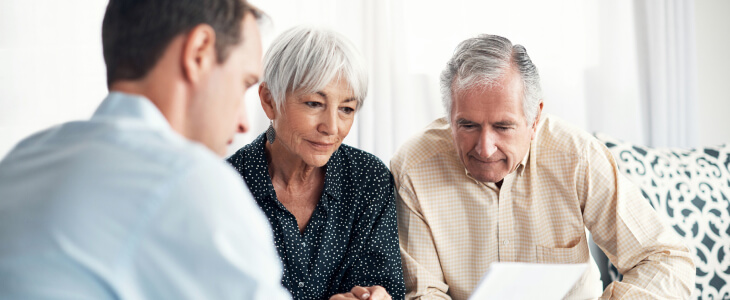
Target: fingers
x=360, y=292
x=375, y=292
x=378, y=293
x=345, y=296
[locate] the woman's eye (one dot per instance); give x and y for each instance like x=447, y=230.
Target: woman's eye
x=313, y=104
x=347, y=110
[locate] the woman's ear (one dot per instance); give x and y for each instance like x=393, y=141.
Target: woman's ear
x=199, y=55
x=267, y=101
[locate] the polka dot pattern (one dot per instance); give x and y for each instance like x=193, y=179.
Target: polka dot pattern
x=352, y=237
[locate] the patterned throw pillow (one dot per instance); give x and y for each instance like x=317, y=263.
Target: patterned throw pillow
x=690, y=190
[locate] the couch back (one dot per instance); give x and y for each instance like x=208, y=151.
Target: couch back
x=690, y=190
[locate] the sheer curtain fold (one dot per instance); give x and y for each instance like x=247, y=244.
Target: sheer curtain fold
x=666, y=47
x=384, y=50
x=640, y=88
x=597, y=71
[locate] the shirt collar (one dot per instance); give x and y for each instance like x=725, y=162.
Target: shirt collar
x=521, y=166
x=118, y=105
x=255, y=163
x=334, y=172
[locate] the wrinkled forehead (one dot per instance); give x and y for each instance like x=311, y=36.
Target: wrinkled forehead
x=509, y=86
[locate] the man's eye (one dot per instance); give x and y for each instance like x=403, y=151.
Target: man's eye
x=313, y=104
x=347, y=110
x=249, y=83
x=501, y=128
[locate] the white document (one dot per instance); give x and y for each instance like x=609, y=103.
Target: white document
x=516, y=281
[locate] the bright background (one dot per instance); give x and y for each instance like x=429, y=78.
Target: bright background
x=592, y=56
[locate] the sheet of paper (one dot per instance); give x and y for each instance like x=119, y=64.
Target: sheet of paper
x=516, y=281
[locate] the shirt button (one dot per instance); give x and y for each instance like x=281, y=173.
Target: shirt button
x=301, y=284
x=506, y=242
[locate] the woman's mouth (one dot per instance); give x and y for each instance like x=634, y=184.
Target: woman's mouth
x=320, y=146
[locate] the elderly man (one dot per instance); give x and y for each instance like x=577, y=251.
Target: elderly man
x=136, y=203
x=495, y=181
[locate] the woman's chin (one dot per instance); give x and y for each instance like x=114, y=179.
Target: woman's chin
x=316, y=159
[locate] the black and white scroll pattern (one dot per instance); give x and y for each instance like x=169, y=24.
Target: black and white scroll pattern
x=690, y=189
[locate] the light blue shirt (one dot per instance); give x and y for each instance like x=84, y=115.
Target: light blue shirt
x=123, y=207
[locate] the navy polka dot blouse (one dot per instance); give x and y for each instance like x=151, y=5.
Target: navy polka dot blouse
x=352, y=237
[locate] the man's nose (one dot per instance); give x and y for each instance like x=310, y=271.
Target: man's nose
x=242, y=120
x=487, y=144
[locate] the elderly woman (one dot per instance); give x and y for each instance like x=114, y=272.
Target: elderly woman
x=331, y=206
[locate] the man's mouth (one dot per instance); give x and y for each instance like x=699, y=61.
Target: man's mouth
x=486, y=161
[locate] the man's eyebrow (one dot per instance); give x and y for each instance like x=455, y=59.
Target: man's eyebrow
x=462, y=121
x=505, y=123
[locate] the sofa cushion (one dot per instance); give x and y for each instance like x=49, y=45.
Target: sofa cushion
x=690, y=190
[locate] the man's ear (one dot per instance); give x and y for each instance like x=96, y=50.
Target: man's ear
x=537, y=120
x=267, y=101
x=199, y=54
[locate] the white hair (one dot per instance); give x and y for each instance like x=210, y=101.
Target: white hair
x=306, y=59
x=481, y=62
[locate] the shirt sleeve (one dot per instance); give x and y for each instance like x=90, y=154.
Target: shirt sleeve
x=653, y=260
x=380, y=261
x=206, y=240
x=421, y=266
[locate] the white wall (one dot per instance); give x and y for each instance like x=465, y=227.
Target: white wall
x=51, y=65
x=713, y=70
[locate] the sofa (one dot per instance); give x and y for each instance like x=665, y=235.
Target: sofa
x=690, y=190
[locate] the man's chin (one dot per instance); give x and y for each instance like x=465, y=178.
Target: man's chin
x=487, y=177
x=219, y=149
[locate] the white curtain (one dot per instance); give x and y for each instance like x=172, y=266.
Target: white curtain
x=400, y=101
x=612, y=93
x=668, y=71
x=383, y=47
x=623, y=67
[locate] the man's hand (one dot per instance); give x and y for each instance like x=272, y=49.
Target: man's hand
x=375, y=292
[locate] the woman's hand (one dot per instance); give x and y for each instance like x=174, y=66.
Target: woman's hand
x=375, y=292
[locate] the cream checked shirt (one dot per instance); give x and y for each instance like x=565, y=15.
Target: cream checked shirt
x=452, y=227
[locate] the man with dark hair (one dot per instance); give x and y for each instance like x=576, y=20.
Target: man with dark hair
x=136, y=203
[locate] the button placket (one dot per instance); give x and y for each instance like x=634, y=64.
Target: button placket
x=506, y=225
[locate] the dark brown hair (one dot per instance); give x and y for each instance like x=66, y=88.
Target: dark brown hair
x=135, y=33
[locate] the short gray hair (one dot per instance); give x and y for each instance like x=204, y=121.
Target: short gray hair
x=481, y=62
x=306, y=59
